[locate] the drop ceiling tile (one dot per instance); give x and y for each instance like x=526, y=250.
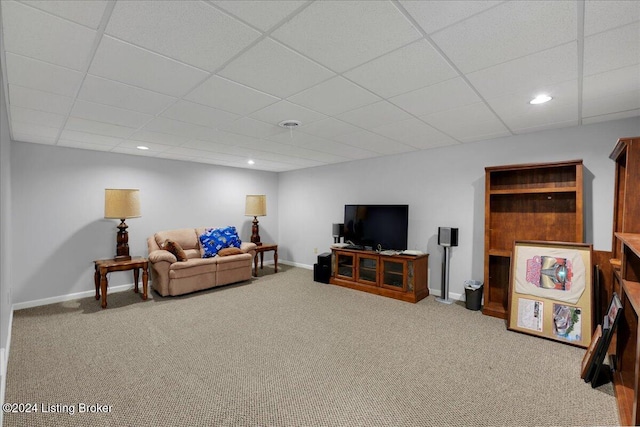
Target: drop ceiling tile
x=133, y=151
x=260, y=14
x=415, y=133
x=544, y=126
x=90, y=138
x=324, y=145
x=613, y=103
x=191, y=32
x=285, y=110
x=612, y=82
x=38, y=100
x=374, y=142
x=508, y=31
x=612, y=49
x=328, y=128
x=439, y=97
x=411, y=67
x=158, y=138
x=523, y=117
x=26, y=115
x=218, y=92
x=373, y=115
x=435, y=15
x=528, y=74
x=117, y=60
x=109, y=92
x=469, y=123
x=293, y=149
x=516, y=104
x=230, y=139
x=107, y=114
x=99, y=128
x=33, y=132
x=342, y=35
x=199, y=114
x=31, y=73
x=176, y=127
x=87, y=13
x=36, y=34
x=83, y=145
x=602, y=15
x=153, y=148
x=250, y=127
x=198, y=144
x=282, y=72
x=334, y=96
x=608, y=117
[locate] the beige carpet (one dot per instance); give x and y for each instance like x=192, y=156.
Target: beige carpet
x=282, y=350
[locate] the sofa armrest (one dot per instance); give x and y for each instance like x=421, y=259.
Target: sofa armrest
x=247, y=247
x=162, y=255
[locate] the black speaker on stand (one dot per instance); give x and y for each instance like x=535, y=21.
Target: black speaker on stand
x=447, y=238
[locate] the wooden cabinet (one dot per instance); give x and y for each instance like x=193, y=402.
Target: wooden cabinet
x=401, y=277
x=626, y=207
x=527, y=202
x=626, y=377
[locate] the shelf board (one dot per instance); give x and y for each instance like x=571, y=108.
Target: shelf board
x=500, y=252
x=632, y=291
x=534, y=190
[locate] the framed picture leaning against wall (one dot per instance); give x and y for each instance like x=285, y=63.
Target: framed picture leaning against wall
x=550, y=291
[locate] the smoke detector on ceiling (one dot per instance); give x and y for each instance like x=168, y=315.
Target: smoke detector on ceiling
x=289, y=124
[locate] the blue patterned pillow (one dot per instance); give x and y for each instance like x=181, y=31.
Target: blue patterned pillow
x=215, y=239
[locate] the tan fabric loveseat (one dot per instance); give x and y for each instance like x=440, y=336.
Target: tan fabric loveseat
x=172, y=277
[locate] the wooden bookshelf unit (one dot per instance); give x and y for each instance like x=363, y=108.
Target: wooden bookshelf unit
x=626, y=209
x=402, y=277
x=626, y=377
x=540, y=201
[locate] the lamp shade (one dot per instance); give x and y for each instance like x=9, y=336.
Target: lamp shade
x=256, y=205
x=121, y=203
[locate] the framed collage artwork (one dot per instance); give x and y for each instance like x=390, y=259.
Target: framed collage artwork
x=550, y=291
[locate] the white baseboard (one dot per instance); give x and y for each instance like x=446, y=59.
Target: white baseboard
x=296, y=264
x=69, y=297
x=452, y=296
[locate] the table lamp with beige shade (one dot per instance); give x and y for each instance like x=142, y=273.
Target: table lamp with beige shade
x=256, y=205
x=120, y=203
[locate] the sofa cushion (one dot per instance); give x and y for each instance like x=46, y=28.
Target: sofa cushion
x=192, y=267
x=230, y=251
x=185, y=237
x=174, y=248
x=215, y=239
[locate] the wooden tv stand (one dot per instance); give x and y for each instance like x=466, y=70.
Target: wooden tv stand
x=402, y=277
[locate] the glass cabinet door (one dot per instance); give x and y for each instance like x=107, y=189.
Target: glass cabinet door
x=393, y=274
x=367, y=270
x=345, y=265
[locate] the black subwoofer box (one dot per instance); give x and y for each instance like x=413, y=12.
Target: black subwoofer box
x=324, y=259
x=321, y=273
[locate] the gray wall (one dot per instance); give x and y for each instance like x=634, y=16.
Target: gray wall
x=5, y=234
x=58, y=208
x=444, y=187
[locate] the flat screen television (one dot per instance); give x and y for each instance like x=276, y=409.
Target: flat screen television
x=373, y=225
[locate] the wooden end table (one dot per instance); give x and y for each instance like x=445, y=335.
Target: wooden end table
x=104, y=266
x=261, y=250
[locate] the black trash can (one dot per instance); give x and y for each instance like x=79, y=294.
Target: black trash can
x=473, y=298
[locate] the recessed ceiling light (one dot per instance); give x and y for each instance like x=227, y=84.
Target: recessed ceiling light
x=142, y=147
x=290, y=124
x=251, y=162
x=540, y=99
